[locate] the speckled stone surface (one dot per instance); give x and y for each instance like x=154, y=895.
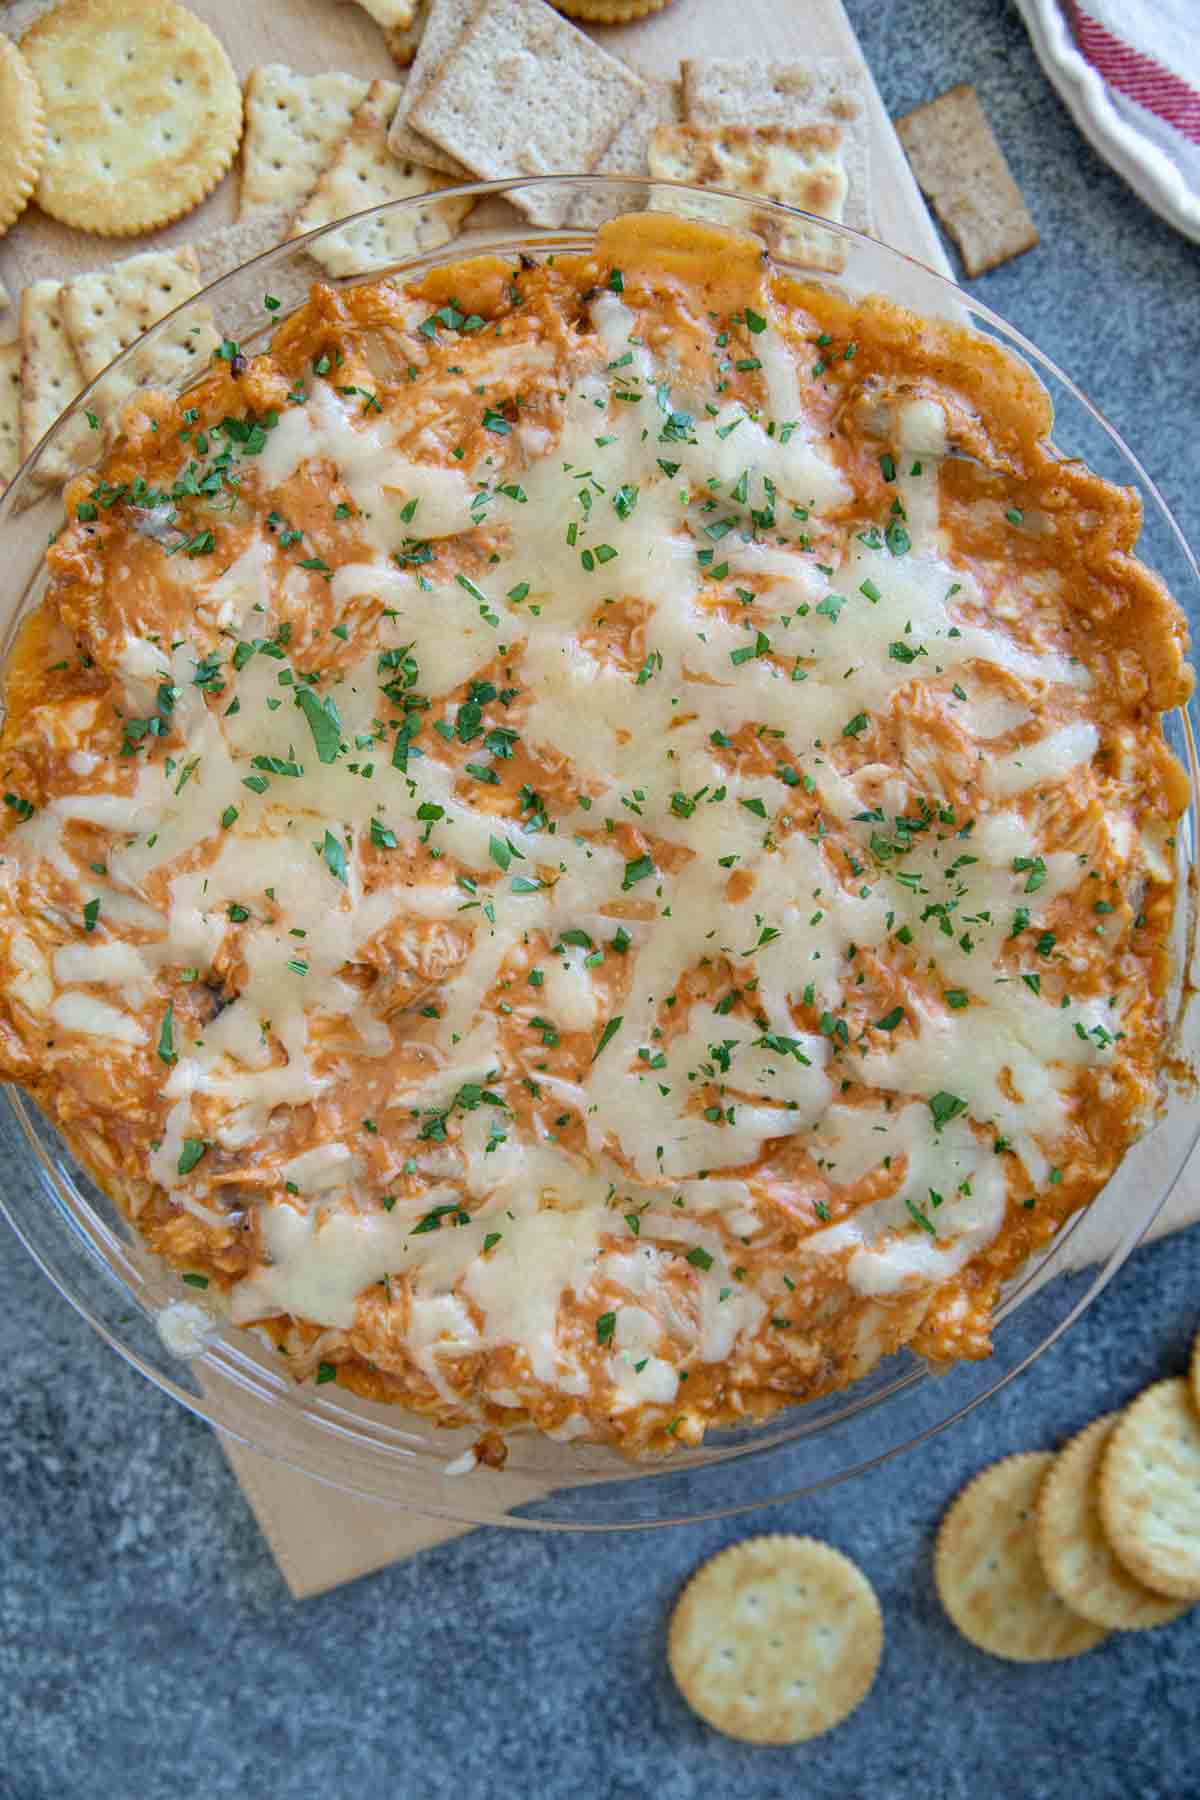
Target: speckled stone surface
x=148, y=1647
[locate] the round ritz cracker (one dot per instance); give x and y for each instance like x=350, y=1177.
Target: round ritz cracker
x=23, y=136
x=1076, y=1556
x=776, y=1640
x=988, y=1575
x=143, y=113
x=1150, y=1490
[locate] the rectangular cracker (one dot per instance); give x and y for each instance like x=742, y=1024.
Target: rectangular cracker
x=526, y=93
x=447, y=22
x=10, y=412
x=107, y=311
x=817, y=90
x=961, y=168
x=799, y=165
x=50, y=379
x=629, y=154
x=294, y=124
x=365, y=173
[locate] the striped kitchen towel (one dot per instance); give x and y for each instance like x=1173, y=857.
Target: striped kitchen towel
x=1129, y=72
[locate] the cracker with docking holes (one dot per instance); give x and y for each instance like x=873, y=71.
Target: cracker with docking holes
x=776, y=1640
x=294, y=124
x=1076, y=1556
x=820, y=90
x=629, y=154
x=365, y=173
x=961, y=168
x=50, y=379
x=1150, y=1490
x=446, y=22
x=988, y=1575
x=525, y=93
x=10, y=412
x=800, y=165
x=143, y=113
x=24, y=138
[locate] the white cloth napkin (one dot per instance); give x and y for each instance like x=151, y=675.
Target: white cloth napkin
x=1128, y=71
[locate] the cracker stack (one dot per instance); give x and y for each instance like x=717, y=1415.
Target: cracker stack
x=1041, y=1556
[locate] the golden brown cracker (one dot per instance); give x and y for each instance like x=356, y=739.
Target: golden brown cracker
x=294, y=124
x=1076, y=1556
x=364, y=173
x=800, y=166
x=1150, y=1490
x=961, y=168
x=22, y=139
x=143, y=112
x=988, y=1575
x=776, y=1640
x=810, y=91
x=525, y=93
x=609, y=12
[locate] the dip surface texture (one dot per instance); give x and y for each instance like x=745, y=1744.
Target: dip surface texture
x=590, y=842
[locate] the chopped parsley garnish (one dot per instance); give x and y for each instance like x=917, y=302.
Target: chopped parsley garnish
x=189, y=1156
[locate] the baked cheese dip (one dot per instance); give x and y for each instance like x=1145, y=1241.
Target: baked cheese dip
x=588, y=842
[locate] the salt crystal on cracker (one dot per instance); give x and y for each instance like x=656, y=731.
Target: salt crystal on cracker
x=525, y=93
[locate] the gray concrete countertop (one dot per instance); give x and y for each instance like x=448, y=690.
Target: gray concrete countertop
x=148, y=1646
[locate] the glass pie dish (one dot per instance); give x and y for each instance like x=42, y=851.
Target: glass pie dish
x=145, y=1309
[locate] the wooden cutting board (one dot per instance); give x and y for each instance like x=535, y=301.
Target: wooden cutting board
x=313, y=36
x=320, y=1538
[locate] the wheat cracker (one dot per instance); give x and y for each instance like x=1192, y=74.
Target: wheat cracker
x=294, y=124
x=776, y=1640
x=1150, y=1490
x=365, y=173
x=961, y=168
x=800, y=166
x=23, y=143
x=445, y=24
x=10, y=412
x=1076, y=1556
x=143, y=113
x=629, y=154
x=988, y=1575
x=817, y=90
x=525, y=93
